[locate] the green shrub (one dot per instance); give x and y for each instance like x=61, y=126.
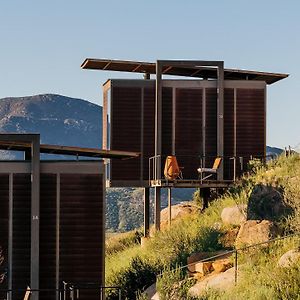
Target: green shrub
x=134, y=268
x=122, y=241
x=173, y=284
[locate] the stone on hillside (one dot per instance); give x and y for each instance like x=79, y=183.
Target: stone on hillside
x=155, y=296
x=267, y=203
x=202, y=267
x=144, y=241
x=198, y=256
x=234, y=215
x=177, y=211
x=221, y=281
x=228, y=239
x=150, y=291
x=221, y=265
x=256, y=231
x=289, y=258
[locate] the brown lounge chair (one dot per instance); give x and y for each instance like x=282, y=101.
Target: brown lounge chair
x=211, y=171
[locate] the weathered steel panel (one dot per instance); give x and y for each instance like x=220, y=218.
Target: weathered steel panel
x=148, y=129
x=81, y=230
x=229, y=133
x=126, y=131
x=189, y=124
x=21, y=233
x=250, y=123
x=4, y=200
x=210, y=126
x=188, y=130
x=166, y=124
x=48, y=235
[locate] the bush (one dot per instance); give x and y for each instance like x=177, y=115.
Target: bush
x=173, y=284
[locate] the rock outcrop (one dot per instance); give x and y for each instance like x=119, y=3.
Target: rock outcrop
x=221, y=281
x=256, y=231
x=267, y=203
x=177, y=211
x=234, y=215
x=289, y=258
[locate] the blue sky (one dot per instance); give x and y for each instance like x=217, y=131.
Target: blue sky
x=42, y=44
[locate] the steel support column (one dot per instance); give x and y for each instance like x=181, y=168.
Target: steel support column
x=35, y=214
x=146, y=211
x=169, y=206
x=157, y=205
x=220, y=119
x=158, y=119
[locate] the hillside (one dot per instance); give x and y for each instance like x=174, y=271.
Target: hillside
x=271, y=194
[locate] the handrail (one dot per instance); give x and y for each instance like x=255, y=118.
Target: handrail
x=63, y=291
x=235, y=251
x=155, y=163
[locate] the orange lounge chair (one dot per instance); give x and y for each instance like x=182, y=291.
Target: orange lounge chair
x=172, y=169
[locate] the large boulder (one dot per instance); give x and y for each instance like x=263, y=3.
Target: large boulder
x=177, y=211
x=267, y=203
x=234, y=215
x=256, y=231
x=289, y=258
x=150, y=291
x=196, y=257
x=221, y=281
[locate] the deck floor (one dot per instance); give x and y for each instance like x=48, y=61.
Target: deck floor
x=186, y=183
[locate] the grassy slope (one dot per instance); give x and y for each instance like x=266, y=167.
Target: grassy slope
x=134, y=268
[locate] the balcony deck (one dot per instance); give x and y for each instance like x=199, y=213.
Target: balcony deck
x=187, y=183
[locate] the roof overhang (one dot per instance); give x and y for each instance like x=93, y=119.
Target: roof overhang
x=67, y=150
x=187, y=71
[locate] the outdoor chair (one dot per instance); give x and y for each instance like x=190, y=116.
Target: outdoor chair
x=27, y=294
x=210, y=171
x=172, y=170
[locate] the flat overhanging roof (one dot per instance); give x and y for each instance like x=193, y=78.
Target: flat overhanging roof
x=188, y=71
x=67, y=150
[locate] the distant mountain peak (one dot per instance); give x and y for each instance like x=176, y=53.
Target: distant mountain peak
x=59, y=119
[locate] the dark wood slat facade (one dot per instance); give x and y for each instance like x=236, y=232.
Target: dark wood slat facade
x=4, y=219
x=71, y=225
x=189, y=125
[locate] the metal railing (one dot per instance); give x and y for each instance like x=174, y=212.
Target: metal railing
x=235, y=252
x=236, y=164
x=70, y=291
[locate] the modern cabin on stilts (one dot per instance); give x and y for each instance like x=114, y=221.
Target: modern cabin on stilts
x=217, y=113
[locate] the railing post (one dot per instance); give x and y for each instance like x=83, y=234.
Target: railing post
x=236, y=267
x=120, y=294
